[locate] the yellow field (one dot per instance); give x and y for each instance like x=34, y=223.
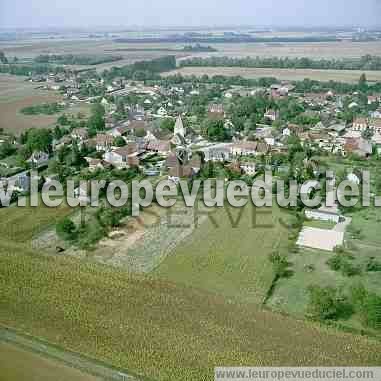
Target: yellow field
x=282, y=74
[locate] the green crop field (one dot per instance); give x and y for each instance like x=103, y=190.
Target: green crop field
x=232, y=261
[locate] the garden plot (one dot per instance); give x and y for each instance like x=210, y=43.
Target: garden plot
x=143, y=243
x=138, y=245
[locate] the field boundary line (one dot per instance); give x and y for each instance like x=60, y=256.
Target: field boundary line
x=70, y=358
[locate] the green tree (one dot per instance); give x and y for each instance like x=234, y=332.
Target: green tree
x=216, y=131
x=3, y=58
x=119, y=142
x=38, y=140
x=368, y=305
x=323, y=303
x=363, y=83
x=6, y=149
x=96, y=121
x=66, y=229
x=63, y=120
x=167, y=124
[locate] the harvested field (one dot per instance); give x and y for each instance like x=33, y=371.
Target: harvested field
x=316, y=50
x=16, y=93
x=17, y=364
x=28, y=49
x=282, y=74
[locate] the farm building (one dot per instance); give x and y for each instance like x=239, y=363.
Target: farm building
x=324, y=213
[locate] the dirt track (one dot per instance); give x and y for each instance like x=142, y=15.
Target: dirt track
x=25, y=358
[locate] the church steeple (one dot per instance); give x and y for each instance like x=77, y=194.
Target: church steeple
x=179, y=127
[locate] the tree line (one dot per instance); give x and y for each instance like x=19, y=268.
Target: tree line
x=72, y=59
x=29, y=70
x=367, y=62
x=307, y=85
x=142, y=70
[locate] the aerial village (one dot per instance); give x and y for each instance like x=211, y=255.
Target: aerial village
x=187, y=128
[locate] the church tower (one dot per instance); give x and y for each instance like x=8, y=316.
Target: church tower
x=179, y=127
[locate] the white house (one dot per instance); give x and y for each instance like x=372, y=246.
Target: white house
x=360, y=124
x=162, y=111
x=324, y=213
x=104, y=142
x=38, y=159
x=123, y=157
x=248, y=168
x=217, y=152
x=272, y=115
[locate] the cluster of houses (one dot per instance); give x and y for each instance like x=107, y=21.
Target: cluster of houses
x=178, y=149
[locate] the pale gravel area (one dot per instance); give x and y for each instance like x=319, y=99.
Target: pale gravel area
x=138, y=245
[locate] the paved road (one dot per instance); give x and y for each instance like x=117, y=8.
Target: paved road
x=342, y=226
x=85, y=364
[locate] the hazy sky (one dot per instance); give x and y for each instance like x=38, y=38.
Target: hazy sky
x=44, y=13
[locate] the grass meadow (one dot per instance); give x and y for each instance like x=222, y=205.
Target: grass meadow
x=227, y=259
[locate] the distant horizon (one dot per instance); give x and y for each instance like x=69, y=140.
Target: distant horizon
x=259, y=28
x=40, y=14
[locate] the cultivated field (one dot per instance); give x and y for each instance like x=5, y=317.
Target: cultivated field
x=28, y=49
x=316, y=50
x=16, y=93
x=282, y=74
x=229, y=260
x=20, y=224
x=154, y=327
x=17, y=364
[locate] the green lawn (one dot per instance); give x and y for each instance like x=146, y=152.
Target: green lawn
x=368, y=222
x=229, y=261
x=291, y=294
x=328, y=225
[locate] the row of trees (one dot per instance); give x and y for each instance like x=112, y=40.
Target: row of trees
x=305, y=86
x=142, y=70
x=27, y=70
x=72, y=59
x=367, y=62
x=45, y=109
